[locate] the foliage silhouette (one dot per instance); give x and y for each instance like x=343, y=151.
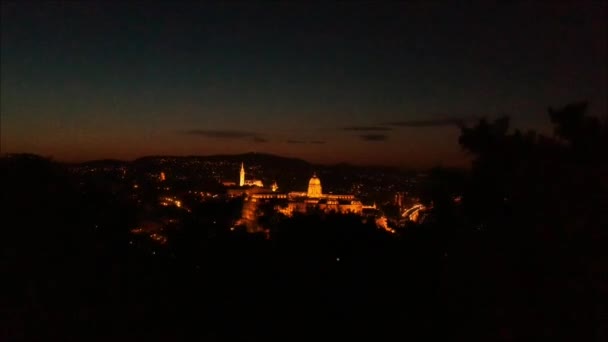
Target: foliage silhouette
x=542, y=200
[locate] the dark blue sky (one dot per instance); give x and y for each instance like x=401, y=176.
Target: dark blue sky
x=355, y=82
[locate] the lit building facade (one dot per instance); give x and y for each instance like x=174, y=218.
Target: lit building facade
x=292, y=202
x=248, y=182
x=242, y=175
x=313, y=198
x=314, y=187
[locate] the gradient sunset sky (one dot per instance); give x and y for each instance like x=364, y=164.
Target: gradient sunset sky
x=351, y=82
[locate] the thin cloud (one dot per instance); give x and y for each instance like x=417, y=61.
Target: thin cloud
x=366, y=128
x=429, y=123
x=292, y=141
x=221, y=134
x=227, y=134
x=317, y=142
x=374, y=137
x=259, y=140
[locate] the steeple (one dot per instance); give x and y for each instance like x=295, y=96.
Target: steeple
x=242, y=175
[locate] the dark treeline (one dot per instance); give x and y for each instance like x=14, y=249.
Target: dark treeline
x=520, y=257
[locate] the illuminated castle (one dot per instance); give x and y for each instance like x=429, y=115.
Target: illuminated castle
x=313, y=198
x=294, y=202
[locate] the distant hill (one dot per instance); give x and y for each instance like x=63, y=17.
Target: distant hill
x=248, y=158
x=104, y=162
x=291, y=174
x=265, y=160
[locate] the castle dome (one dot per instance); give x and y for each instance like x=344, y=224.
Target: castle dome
x=314, y=187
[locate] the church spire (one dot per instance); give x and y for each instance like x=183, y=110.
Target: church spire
x=242, y=175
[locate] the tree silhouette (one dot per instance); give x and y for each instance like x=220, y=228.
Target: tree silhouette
x=542, y=200
x=533, y=179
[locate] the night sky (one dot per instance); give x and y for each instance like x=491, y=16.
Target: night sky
x=358, y=83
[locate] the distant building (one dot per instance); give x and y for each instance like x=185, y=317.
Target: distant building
x=313, y=198
x=242, y=175
x=245, y=186
x=291, y=202
x=248, y=182
x=314, y=187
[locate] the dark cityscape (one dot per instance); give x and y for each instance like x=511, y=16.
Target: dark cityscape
x=304, y=171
